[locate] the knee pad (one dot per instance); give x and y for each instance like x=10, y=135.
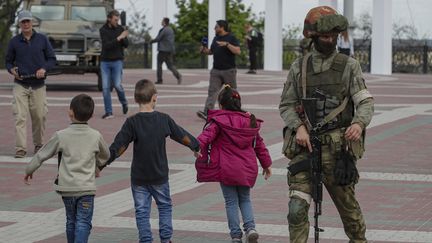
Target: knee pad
x=298, y=211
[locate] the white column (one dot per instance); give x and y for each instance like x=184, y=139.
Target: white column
x=216, y=12
x=273, y=35
x=381, y=60
x=160, y=11
x=330, y=3
x=348, y=11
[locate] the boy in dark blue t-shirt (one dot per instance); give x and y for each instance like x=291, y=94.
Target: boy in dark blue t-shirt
x=148, y=130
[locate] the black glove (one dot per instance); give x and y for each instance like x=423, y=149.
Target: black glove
x=345, y=171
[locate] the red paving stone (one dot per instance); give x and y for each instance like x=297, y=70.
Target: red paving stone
x=387, y=205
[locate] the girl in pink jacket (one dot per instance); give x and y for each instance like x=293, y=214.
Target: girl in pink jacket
x=230, y=144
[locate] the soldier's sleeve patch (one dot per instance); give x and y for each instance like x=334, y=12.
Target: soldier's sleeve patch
x=360, y=96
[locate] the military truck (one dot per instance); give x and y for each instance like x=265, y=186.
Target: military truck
x=72, y=27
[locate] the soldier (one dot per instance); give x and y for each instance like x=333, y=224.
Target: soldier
x=338, y=82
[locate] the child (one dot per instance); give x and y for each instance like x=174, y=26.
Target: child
x=80, y=150
x=230, y=144
x=148, y=130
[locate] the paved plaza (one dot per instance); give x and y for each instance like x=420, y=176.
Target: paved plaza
x=395, y=189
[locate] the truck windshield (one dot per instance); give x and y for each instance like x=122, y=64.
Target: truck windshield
x=88, y=13
x=48, y=12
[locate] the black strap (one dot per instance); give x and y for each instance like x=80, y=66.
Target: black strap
x=300, y=166
x=59, y=157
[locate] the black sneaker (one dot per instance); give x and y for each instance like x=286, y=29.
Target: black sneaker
x=20, y=154
x=37, y=148
x=202, y=115
x=159, y=82
x=179, y=80
x=125, y=109
x=107, y=116
x=251, y=72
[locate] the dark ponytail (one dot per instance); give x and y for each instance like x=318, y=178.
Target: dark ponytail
x=253, y=121
x=230, y=99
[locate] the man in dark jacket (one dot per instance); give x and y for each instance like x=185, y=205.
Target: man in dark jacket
x=114, y=40
x=166, y=49
x=29, y=56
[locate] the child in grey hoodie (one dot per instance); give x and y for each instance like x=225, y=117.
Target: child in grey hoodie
x=81, y=150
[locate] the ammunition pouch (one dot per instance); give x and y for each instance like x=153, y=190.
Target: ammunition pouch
x=357, y=147
x=290, y=147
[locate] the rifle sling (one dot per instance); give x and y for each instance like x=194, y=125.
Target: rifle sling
x=334, y=112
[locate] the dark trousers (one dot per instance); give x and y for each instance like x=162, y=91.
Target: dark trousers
x=166, y=57
x=253, y=58
x=217, y=79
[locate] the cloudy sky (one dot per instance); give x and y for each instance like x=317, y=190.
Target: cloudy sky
x=412, y=12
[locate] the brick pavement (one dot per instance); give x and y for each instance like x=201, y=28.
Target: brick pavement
x=395, y=191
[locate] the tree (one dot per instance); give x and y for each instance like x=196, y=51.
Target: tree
x=363, y=26
x=8, y=8
x=138, y=28
x=192, y=25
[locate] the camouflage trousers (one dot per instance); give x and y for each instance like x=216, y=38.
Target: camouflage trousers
x=342, y=196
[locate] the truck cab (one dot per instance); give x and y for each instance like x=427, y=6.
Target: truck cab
x=72, y=28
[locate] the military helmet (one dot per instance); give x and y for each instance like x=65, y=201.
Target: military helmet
x=323, y=20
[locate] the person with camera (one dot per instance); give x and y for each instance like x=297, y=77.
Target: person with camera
x=344, y=108
x=114, y=40
x=29, y=55
x=224, y=48
x=166, y=49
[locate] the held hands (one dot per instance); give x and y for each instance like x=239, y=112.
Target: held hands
x=197, y=154
x=222, y=43
x=123, y=35
x=353, y=132
x=97, y=172
x=204, y=49
x=40, y=73
x=267, y=173
x=14, y=72
x=27, y=177
x=302, y=137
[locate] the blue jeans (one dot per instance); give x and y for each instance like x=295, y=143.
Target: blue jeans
x=79, y=214
x=112, y=72
x=142, y=196
x=238, y=197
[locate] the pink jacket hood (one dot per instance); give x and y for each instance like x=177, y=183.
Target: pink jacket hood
x=230, y=148
x=236, y=125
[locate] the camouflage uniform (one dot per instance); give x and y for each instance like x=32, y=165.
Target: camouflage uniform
x=335, y=75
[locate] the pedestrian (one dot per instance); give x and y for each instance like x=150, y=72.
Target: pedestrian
x=336, y=80
x=166, y=50
x=224, y=48
x=230, y=144
x=29, y=56
x=252, y=43
x=114, y=40
x=149, y=170
x=345, y=44
x=81, y=150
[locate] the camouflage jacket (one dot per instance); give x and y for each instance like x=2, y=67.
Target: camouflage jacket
x=362, y=99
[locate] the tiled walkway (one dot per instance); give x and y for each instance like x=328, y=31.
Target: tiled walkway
x=395, y=189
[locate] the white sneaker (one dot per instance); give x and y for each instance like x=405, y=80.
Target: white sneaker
x=252, y=236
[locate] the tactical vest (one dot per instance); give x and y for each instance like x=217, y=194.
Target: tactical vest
x=331, y=84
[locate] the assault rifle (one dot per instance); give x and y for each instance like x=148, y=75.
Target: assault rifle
x=310, y=105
